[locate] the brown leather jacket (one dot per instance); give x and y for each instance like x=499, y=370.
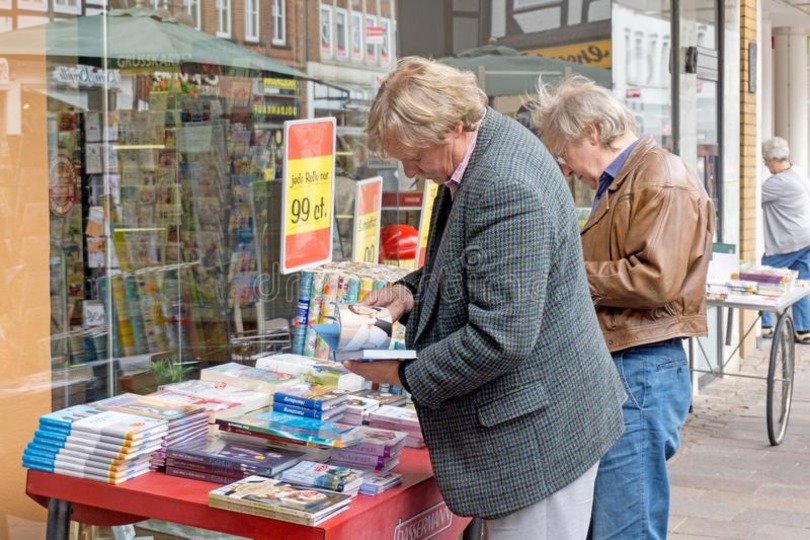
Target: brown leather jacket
x=647, y=247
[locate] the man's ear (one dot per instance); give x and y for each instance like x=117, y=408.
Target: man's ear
x=592, y=135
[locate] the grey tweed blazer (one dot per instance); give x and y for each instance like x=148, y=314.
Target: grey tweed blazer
x=515, y=389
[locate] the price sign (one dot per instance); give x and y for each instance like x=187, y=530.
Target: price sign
x=308, y=194
x=367, y=210
x=428, y=196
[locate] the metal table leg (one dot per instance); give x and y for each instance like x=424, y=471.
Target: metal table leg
x=58, y=520
x=474, y=530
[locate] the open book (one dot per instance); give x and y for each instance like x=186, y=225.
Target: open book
x=361, y=333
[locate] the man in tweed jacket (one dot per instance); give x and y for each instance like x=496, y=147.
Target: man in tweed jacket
x=513, y=384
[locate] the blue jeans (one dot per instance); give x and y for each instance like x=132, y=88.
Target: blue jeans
x=631, y=496
x=797, y=260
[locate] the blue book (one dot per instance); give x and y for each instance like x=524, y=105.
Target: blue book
x=293, y=428
x=62, y=421
x=312, y=396
x=308, y=412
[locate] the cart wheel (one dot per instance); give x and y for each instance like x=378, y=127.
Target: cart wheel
x=780, y=379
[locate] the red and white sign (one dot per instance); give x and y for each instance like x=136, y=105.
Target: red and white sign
x=632, y=93
x=309, y=193
x=375, y=35
x=367, y=217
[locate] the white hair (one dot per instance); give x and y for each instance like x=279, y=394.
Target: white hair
x=775, y=148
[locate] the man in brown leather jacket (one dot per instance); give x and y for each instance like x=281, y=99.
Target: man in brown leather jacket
x=647, y=246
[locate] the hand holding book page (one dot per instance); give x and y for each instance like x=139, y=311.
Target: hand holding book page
x=396, y=298
x=361, y=333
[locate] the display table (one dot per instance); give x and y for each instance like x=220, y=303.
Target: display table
x=782, y=354
x=413, y=511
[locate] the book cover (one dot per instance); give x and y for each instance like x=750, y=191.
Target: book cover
x=361, y=333
x=214, y=408
x=217, y=452
x=217, y=478
x=385, y=398
x=150, y=407
x=379, y=442
x=250, y=399
x=247, y=377
x=325, y=476
x=62, y=420
x=90, y=441
x=122, y=425
x=313, y=396
x=376, y=483
x=365, y=461
x=286, y=426
x=278, y=500
x=319, y=414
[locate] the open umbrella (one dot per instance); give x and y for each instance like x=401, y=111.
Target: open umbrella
x=503, y=71
x=134, y=38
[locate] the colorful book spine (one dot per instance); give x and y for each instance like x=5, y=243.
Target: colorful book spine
x=304, y=297
x=315, y=303
x=307, y=412
x=125, y=331
x=135, y=315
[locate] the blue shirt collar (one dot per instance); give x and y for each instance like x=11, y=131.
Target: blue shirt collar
x=610, y=173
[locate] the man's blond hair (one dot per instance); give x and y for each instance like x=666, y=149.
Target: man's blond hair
x=420, y=102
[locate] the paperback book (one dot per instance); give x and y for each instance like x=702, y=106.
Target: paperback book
x=237, y=457
x=312, y=396
x=292, y=428
x=260, y=380
x=275, y=499
x=361, y=333
x=324, y=476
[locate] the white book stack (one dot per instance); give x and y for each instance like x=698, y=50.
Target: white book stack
x=399, y=419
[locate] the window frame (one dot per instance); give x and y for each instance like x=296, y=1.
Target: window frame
x=327, y=40
x=356, y=21
x=279, y=21
x=372, y=49
x=194, y=9
x=223, y=9
x=338, y=13
x=256, y=18
x=66, y=7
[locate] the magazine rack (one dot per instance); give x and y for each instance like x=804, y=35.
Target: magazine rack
x=413, y=510
x=781, y=358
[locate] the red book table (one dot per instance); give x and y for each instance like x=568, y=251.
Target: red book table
x=412, y=511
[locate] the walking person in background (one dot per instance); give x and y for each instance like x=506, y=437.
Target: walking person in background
x=786, y=216
x=515, y=391
x=646, y=245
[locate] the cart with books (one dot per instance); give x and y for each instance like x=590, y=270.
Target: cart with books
x=414, y=509
x=782, y=358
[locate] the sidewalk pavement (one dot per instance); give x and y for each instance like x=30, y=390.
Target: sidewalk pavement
x=727, y=480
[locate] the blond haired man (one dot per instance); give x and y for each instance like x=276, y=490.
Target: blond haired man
x=514, y=387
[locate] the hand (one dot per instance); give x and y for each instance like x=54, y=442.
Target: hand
x=380, y=371
x=397, y=298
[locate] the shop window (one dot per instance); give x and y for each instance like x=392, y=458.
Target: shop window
x=67, y=6
x=357, y=35
x=252, y=20
x=327, y=38
x=5, y=4
x=341, y=33
x=33, y=5
x=224, y=18
x=386, y=52
x=193, y=9
x=371, y=46
x=279, y=23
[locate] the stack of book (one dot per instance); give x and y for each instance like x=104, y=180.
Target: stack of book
x=220, y=400
x=311, y=401
x=275, y=499
x=223, y=461
x=184, y=422
x=268, y=424
x=260, y=380
x=86, y=442
x=374, y=484
x=357, y=410
x=385, y=398
x=399, y=419
x=378, y=450
x=324, y=476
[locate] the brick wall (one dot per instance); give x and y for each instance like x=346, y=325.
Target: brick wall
x=748, y=158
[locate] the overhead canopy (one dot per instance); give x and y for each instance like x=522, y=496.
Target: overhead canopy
x=503, y=71
x=134, y=37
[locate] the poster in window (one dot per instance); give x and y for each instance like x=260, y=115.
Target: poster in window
x=357, y=35
x=326, y=31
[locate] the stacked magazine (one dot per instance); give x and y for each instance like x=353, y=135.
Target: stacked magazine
x=275, y=499
x=275, y=426
x=86, y=442
x=260, y=380
x=184, y=422
x=248, y=400
x=374, y=484
x=377, y=451
x=324, y=476
x=217, y=459
x=399, y=419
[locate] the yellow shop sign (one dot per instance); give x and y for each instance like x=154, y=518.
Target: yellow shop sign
x=589, y=53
